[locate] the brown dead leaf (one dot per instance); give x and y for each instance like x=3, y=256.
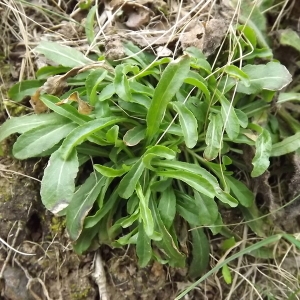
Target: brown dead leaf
x=83, y=107
x=138, y=15
x=37, y=104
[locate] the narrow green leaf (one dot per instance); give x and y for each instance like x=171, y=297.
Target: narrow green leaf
x=133, y=136
x=235, y=72
x=241, y=192
x=263, y=147
x=198, y=59
x=207, y=208
x=92, y=82
x=65, y=110
x=48, y=71
x=197, y=182
x=24, y=88
x=63, y=55
x=170, y=82
x=58, y=183
x=145, y=212
x=89, y=24
x=85, y=240
x=81, y=133
x=288, y=145
x=167, y=244
x=230, y=119
x=285, y=97
x=143, y=247
x=242, y=117
x=25, y=123
x=273, y=76
x=110, y=172
x=213, y=137
x=35, y=141
x=200, y=253
x=188, y=124
x=167, y=207
x=121, y=84
x=82, y=202
x=200, y=84
x=128, y=183
x=226, y=274
x=107, y=92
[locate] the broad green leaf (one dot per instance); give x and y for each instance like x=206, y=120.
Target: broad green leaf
x=263, y=150
x=121, y=84
x=167, y=207
x=288, y=145
x=58, y=183
x=143, y=247
x=200, y=253
x=81, y=133
x=207, y=208
x=145, y=212
x=35, y=141
x=65, y=110
x=235, y=72
x=167, y=244
x=188, y=124
x=89, y=24
x=196, y=181
x=169, y=83
x=289, y=37
x=24, y=88
x=107, y=92
x=133, y=136
x=48, y=71
x=63, y=55
x=26, y=123
x=241, y=192
x=128, y=183
x=92, y=82
x=110, y=172
x=213, y=137
x=230, y=119
x=82, y=202
x=226, y=274
x=273, y=76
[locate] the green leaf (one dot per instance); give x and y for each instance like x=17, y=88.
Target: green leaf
x=107, y=92
x=213, y=137
x=110, y=172
x=121, y=84
x=85, y=240
x=207, y=209
x=81, y=133
x=198, y=59
x=82, y=202
x=167, y=244
x=226, y=274
x=24, y=88
x=230, y=119
x=241, y=192
x=63, y=55
x=89, y=24
x=26, y=123
x=263, y=147
x=196, y=181
x=65, y=110
x=200, y=253
x=273, y=76
x=128, y=183
x=170, y=82
x=48, y=71
x=288, y=145
x=188, y=124
x=167, y=207
x=58, y=183
x=289, y=37
x=133, y=136
x=145, y=212
x=92, y=82
x=200, y=84
x=35, y=141
x=143, y=247
x=284, y=97
x=235, y=72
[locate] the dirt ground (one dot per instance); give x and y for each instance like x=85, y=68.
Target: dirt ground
x=54, y=271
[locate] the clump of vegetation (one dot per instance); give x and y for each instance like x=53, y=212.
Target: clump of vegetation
x=165, y=138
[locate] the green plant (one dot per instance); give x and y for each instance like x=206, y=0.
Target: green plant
x=164, y=137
